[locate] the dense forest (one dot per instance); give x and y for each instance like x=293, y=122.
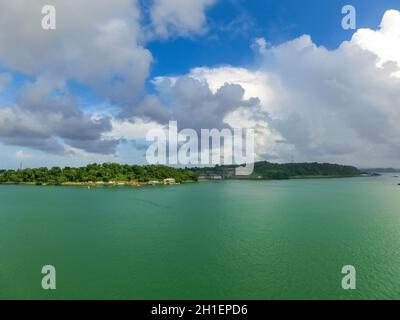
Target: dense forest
x=96, y=173
x=275, y=171
x=122, y=172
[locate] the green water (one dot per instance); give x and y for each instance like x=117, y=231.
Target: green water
x=216, y=240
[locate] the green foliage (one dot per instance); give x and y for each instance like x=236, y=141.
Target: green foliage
x=96, y=173
x=290, y=170
x=122, y=172
x=275, y=171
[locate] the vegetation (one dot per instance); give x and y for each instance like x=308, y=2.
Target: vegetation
x=381, y=170
x=107, y=172
x=275, y=171
x=96, y=173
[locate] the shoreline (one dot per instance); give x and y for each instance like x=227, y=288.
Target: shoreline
x=94, y=185
x=151, y=184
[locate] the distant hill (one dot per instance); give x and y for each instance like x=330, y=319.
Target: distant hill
x=381, y=170
x=274, y=171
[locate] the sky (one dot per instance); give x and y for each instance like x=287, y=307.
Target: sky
x=90, y=90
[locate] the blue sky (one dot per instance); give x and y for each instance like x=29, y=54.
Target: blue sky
x=278, y=21
x=90, y=89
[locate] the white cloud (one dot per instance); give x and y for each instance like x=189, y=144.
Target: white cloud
x=195, y=103
x=337, y=105
x=260, y=45
x=179, y=17
x=255, y=83
x=304, y=101
x=46, y=120
x=97, y=42
x=136, y=129
x=196, y=95
x=385, y=43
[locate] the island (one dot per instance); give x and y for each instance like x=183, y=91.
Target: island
x=113, y=174
x=265, y=170
x=106, y=174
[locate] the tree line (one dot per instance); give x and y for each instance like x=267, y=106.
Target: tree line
x=105, y=172
x=275, y=171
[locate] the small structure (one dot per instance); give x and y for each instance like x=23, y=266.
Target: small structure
x=216, y=177
x=169, y=181
x=154, y=182
x=119, y=183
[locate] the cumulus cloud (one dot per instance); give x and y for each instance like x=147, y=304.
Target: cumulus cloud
x=338, y=105
x=259, y=103
x=260, y=45
x=256, y=83
x=385, y=43
x=224, y=97
x=312, y=104
x=179, y=17
x=193, y=104
x=97, y=43
x=134, y=129
x=304, y=101
x=48, y=118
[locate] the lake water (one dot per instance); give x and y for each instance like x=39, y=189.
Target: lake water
x=216, y=240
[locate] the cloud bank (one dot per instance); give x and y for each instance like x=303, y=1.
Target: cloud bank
x=304, y=101
x=316, y=104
